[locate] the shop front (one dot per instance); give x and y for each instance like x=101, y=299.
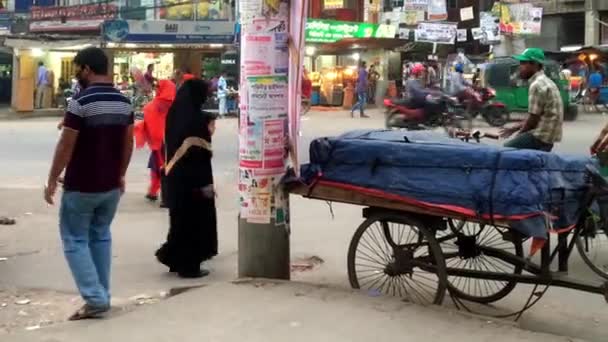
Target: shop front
x=191, y=46
x=334, y=51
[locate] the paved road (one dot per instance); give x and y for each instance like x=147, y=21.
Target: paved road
x=36, y=260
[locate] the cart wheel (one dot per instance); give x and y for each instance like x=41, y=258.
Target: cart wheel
x=463, y=249
x=592, y=245
x=398, y=256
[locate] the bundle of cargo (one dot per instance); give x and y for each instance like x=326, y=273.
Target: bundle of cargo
x=431, y=173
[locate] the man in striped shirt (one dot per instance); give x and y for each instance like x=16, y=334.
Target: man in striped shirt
x=95, y=150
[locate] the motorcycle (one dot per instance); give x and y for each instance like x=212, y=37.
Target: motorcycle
x=495, y=113
x=399, y=115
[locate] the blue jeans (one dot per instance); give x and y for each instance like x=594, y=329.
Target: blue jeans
x=84, y=221
x=361, y=101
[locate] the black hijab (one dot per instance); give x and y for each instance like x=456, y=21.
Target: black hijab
x=185, y=118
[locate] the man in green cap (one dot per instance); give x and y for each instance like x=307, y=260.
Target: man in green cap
x=543, y=126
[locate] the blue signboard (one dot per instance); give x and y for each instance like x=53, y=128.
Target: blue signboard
x=168, y=32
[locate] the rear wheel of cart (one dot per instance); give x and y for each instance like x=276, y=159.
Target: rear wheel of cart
x=398, y=256
x=592, y=245
x=467, y=245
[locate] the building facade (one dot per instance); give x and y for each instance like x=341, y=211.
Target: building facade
x=169, y=34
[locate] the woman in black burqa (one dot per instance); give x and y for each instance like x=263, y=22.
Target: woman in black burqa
x=192, y=236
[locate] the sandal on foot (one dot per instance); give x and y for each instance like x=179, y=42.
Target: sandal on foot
x=87, y=312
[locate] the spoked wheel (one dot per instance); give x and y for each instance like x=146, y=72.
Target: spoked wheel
x=398, y=256
x=466, y=246
x=592, y=245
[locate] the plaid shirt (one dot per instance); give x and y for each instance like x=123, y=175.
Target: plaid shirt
x=545, y=101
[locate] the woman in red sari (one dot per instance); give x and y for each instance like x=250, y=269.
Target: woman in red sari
x=151, y=131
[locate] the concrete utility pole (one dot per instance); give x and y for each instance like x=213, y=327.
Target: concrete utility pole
x=267, y=70
x=592, y=26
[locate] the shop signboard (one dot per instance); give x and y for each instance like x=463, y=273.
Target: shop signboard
x=416, y=5
x=168, y=31
x=329, y=31
x=439, y=33
x=71, y=18
x=489, y=25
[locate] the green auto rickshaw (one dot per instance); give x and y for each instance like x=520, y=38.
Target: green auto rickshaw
x=502, y=74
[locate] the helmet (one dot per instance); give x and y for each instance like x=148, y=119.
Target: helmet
x=459, y=67
x=417, y=69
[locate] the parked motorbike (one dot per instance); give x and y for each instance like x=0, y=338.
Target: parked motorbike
x=399, y=115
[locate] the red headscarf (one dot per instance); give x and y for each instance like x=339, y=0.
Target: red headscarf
x=155, y=113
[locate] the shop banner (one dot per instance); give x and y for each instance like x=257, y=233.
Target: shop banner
x=439, y=33
x=437, y=10
x=77, y=18
x=520, y=19
x=329, y=31
x=168, y=31
x=489, y=25
x=416, y=5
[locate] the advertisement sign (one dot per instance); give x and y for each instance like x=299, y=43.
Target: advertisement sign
x=412, y=18
x=437, y=10
x=72, y=18
x=440, y=33
x=416, y=5
x=489, y=26
x=520, y=19
x=168, y=31
x=333, y=4
x=329, y=31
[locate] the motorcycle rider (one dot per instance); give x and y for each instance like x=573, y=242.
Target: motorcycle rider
x=418, y=95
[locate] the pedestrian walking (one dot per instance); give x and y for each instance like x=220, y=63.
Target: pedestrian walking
x=151, y=131
x=543, y=126
x=361, y=90
x=95, y=150
x=192, y=237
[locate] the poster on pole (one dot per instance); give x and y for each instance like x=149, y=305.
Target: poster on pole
x=265, y=54
x=437, y=10
x=438, y=33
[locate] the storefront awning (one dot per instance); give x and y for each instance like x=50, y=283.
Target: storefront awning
x=348, y=45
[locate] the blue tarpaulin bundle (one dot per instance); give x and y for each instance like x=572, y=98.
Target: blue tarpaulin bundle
x=472, y=179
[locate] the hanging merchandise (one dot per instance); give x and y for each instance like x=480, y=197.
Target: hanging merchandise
x=439, y=33
x=437, y=10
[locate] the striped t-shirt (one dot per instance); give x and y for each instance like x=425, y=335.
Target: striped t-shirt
x=102, y=116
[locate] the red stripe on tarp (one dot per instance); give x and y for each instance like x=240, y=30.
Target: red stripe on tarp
x=407, y=200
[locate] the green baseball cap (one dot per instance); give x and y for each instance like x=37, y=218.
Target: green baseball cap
x=531, y=55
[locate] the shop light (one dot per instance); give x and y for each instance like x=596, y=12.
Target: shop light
x=216, y=45
x=130, y=45
x=356, y=56
x=112, y=45
x=165, y=45
x=310, y=50
x=592, y=57
x=36, y=52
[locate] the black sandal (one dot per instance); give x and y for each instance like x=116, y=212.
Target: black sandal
x=88, y=312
